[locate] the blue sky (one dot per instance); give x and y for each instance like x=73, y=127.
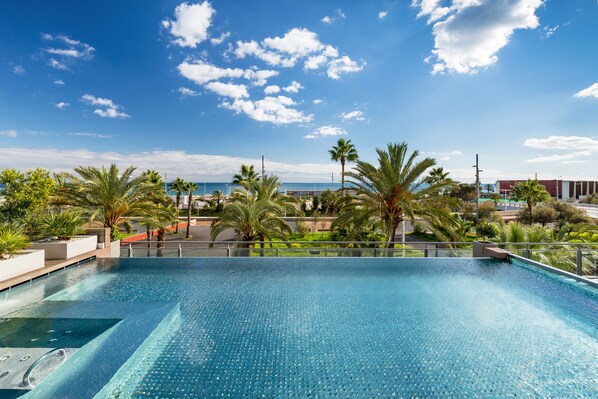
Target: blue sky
x=196, y=89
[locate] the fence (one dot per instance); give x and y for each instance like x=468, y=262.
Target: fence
x=579, y=258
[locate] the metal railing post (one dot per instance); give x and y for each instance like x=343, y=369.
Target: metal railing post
x=130, y=251
x=277, y=252
x=228, y=250
x=578, y=261
x=527, y=252
x=180, y=251
x=425, y=250
x=325, y=252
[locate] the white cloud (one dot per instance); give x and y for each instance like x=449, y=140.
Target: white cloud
x=59, y=82
x=218, y=40
x=18, y=70
x=356, y=115
x=326, y=131
x=297, y=44
x=591, y=91
x=191, y=24
x=228, y=89
x=560, y=157
x=185, y=91
x=107, y=108
x=61, y=105
x=576, y=146
x=202, y=72
x=382, y=14
x=182, y=164
x=8, y=133
x=548, y=31
x=339, y=15
x=563, y=143
x=272, y=89
x=57, y=64
x=294, y=87
x=66, y=51
x=93, y=135
x=318, y=101
x=277, y=110
x=343, y=65
x=469, y=33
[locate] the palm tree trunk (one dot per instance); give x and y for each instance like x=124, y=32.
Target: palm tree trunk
x=391, y=238
x=262, y=245
x=178, y=202
x=189, y=213
x=161, y=236
x=343, y=176
x=531, y=214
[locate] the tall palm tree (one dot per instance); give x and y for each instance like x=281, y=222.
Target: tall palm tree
x=437, y=175
x=532, y=193
x=153, y=176
x=387, y=194
x=157, y=218
x=108, y=195
x=343, y=152
x=178, y=185
x=246, y=176
x=190, y=188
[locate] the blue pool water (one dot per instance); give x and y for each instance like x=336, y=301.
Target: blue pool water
x=339, y=328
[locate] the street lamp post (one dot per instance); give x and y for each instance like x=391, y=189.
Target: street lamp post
x=477, y=188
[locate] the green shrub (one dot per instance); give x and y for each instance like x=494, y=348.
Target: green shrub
x=11, y=242
x=419, y=228
x=487, y=230
x=64, y=225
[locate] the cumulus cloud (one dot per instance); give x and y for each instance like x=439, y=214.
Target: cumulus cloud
x=353, y=115
x=187, y=92
x=175, y=163
x=575, y=147
x=341, y=66
x=295, y=45
x=326, y=131
x=591, y=91
x=382, y=14
x=8, y=133
x=202, y=72
x=318, y=101
x=443, y=156
x=272, y=89
x=277, y=110
x=191, y=23
x=228, y=89
x=18, y=70
x=65, y=51
x=469, y=33
x=294, y=87
x=61, y=105
x=105, y=107
x=59, y=82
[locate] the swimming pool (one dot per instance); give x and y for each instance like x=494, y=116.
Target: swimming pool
x=227, y=328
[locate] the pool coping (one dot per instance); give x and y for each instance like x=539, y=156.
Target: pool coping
x=554, y=270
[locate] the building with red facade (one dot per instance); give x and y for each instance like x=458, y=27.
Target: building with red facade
x=562, y=189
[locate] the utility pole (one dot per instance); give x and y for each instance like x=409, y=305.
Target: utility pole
x=332, y=175
x=263, y=168
x=477, y=189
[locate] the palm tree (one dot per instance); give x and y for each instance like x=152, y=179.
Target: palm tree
x=178, y=185
x=495, y=197
x=532, y=193
x=157, y=218
x=387, y=194
x=489, y=188
x=247, y=175
x=153, y=176
x=437, y=175
x=343, y=152
x=190, y=188
x=108, y=195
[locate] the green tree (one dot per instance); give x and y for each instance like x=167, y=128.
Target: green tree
x=108, y=195
x=63, y=224
x=385, y=195
x=247, y=175
x=178, y=185
x=495, y=197
x=12, y=241
x=189, y=188
x=532, y=193
x=437, y=175
x=489, y=189
x=343, y=152
x=25, y=193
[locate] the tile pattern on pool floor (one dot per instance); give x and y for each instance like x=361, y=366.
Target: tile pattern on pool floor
x=361, y=328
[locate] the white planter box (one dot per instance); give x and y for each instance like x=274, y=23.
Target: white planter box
x=21, y=264
x=115, y=249
x=67, y=249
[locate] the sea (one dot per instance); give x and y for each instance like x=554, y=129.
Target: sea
x=286, y=188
